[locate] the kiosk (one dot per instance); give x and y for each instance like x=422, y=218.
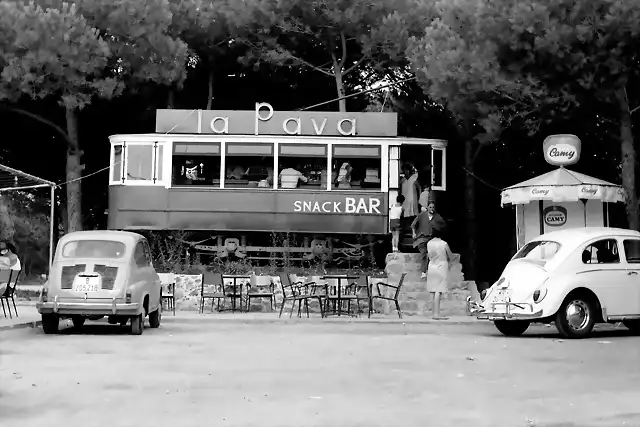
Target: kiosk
x=561, y=198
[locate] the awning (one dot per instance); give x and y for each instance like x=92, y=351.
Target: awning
x=562, y=185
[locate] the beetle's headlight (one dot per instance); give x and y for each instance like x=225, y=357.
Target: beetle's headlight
x=539, y=294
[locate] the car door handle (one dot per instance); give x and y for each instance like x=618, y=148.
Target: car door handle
x=632, y=273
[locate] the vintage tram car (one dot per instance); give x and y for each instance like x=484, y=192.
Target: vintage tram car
x=218, y=175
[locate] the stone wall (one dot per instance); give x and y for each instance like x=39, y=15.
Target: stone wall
x=414, y=299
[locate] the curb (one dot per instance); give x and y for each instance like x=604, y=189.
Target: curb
x=320, y=321
x=32, y=324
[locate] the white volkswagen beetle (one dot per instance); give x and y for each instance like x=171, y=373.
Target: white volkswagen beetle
x=574, y=278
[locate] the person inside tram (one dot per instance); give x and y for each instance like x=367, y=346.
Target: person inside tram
x=291, y=177
x=344, y=175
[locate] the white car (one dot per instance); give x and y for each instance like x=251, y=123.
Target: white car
x=573, y=278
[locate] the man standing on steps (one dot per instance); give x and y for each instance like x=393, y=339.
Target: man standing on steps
x=422, y=228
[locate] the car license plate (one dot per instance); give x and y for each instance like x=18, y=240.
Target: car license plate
x=86, y=284
x=502, y=295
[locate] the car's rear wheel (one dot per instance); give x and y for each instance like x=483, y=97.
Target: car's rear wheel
x=512, y=328
x=155, y=317
x=632, y=325
x=50, y=323
x=78, y=321
x=576, y=317
x=137, y=324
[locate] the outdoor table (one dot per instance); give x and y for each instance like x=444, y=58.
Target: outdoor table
x=236, y=294
x=339, y=278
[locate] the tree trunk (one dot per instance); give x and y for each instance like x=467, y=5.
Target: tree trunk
x=628, y=160
x=74, y=173
x=470, y=211
x=342, y=103
x=210, y=98
x=171, y=102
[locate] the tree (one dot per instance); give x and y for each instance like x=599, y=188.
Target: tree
x=52, y=50
x=541, y=59
x=333, y=37
x=211, y=28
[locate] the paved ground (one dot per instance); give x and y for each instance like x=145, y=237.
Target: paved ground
x=199, y=371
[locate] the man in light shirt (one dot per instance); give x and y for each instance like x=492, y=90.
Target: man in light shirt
x=289, y=177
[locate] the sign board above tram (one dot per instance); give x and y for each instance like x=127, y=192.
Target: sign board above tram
x=265, y=121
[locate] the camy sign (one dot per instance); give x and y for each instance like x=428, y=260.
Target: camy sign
x=562, y=150
x=555, y=216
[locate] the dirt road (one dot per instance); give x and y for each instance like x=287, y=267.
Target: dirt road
x=204, y=373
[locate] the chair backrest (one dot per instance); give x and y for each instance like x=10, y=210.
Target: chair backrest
x=5, y=276
x=211, y=279
x=257, y=281
x=286, y=285
x=11, y=282
x=167, y=278
x=400, y=283
x=362, y=284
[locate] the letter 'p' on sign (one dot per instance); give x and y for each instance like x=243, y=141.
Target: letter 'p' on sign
x=562, y=150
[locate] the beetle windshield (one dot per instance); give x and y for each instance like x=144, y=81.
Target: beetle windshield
x=93, y=249
x=539, y=252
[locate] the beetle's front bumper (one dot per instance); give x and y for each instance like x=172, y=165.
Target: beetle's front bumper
x=105, y=307
x=512, y=310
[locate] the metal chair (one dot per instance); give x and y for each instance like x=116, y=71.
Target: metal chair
x=297, y=292
x=212, y=288
x=168, y=283
x=380, y=295
x=10, y=277
x=253, y=290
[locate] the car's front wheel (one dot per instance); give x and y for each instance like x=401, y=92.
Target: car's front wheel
x=632, y=325
x=50, y=323
x=511, y=328
x=137, y=324
x=576, y=317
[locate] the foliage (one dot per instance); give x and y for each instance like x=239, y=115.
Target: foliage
x=511, y=61
x=24, y=221
x=333, y=37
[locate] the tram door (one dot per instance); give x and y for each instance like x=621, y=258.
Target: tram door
x=421, y=166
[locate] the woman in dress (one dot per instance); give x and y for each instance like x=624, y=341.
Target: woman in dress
x=438, y=271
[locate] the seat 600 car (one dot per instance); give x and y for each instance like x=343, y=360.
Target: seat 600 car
x=102, y=273
x=573, y=278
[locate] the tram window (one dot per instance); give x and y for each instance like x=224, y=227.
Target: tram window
x=116, y=163
x=139, y=162
x=356, y=167
x=308, y=159
x=196, y=164
x=249, y=165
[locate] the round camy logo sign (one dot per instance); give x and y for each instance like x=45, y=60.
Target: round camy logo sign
x=562, y=150
x=555, y=216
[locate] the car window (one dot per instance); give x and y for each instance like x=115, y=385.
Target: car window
x=601, y=252
x=632, y=250
x=140, y=255
x=539, y=252
x=147, y=252
x=93, y=249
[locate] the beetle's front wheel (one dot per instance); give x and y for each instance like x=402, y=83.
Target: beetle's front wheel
x=512, y=328
x=137, y=324
x=576, y=317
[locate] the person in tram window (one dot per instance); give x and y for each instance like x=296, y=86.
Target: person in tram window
x=395, y=212
x=344, y=175
x=290, y=177
x=422, y=228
